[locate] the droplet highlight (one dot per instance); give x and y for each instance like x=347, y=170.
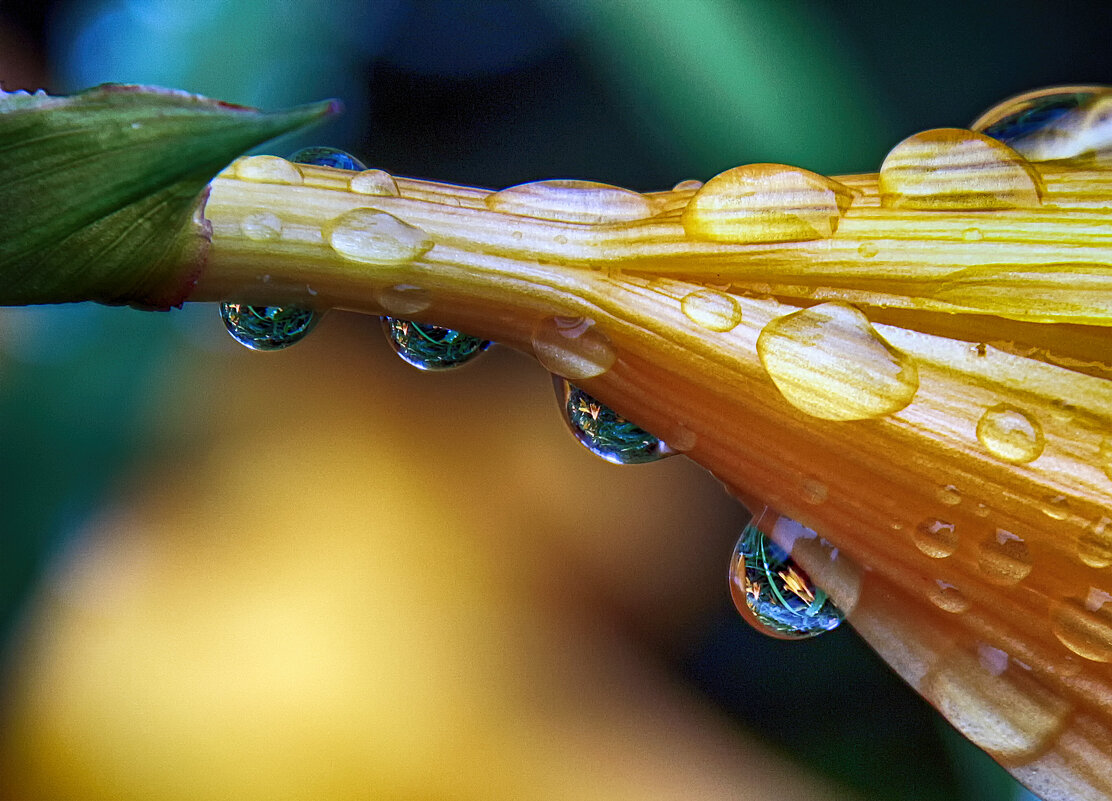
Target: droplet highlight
x=1094, y=546
x=936, y=538
x=1010, y=434
x=267, y=327
x=1085, y=626
x=573, y=347
x=1004, y=558
x=374, y=182
x=773, y=594
x=948, y=598
x=371, y=236
x=431, y=347
x=262, y=226
x=829, y=362
x=603, y=431
x=321, y=156
x=713, y=310
x=949, y=495
x=267, y=169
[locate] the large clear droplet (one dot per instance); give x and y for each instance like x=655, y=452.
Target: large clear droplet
x=431, y=347
x=1054, y=123
x=603, y=431
x=267, y=327
x=327, y=157
x=773, y=594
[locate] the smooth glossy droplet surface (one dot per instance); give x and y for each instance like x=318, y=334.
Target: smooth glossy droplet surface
x=949, y=495
x=813, y=491
x=1021, y=116
x=573, y=347
x=829, y=362
x=603, y=431
x=1085, y=626
x=1094, y=546
x=1010, y=434
x=711, y=309
x=267, y=327
x=267, y=169
x=867, y=250
x=1004, y=558
x=371, y=236
x=431, y=347
x=1053, y=123
x=261, y=226
x=374, y=182
x=571, y=201
x=935, y=538
x=773, y=594
x=948, y=598
x=327, y=157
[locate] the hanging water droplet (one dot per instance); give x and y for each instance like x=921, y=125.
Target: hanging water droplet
x=327, y=157
x=374, y=182
x=830, y=362
x=603, y=431
x=1010, y=434
x=948, y=598
x=431, y=347
x=949, y=495
x=267, y=327
x=261, y=226
x=1085, y=627
x=773, y=594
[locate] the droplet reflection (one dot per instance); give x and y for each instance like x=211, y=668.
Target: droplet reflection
x=267, y=327
x=431, y=347
x=603, y=431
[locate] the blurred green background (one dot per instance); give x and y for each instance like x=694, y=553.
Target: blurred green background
x=640, y=93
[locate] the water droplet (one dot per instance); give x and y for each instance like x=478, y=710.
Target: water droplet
x=867, y=250
x=972, y=235
x=603, y=431
x=948, y=598
x=981, y=510
x=327, y=157
x=431, y=347
x=1085, y=627
x=773, y=594
x=829, y=362
x=371, y=236
x=1004, y=558
x=573, y=347
x=1010, y=434
x=560, y=239
x=949, y=495
x=267, y=327
x=261, y=226
x=995, y=703
x=690, y=185
x=1094, y=546
x=766, y=203
x=1020, y=116
x=813, y=491
x=571, y=201
x=682, y=439
x=711, y=309
x=374, y=182
x=267, y=169
x=936, y=538
x=955, y=169
x=403, y=299
x=1053, y=123
x=1056, y=507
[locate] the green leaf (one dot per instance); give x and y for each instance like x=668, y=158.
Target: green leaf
x=99, y=191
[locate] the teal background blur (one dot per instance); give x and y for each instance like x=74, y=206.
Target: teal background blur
x=641, y=93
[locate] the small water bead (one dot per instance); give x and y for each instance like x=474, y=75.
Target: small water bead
x=1094, y=546
x=949, y=495
x=1004, y=558
x=867, y=250
x=1010, y=434
x=571, y=201
x=327, y=157
x=603, y=431
x=829, y=362
x=374, y=182
x=948, y=598
x=1085, y=626
x=773, y=594
x=431, y=347
x=267, y=169
x=267, y=327
x=371, y=236
x=402, y=299
x=935, y=538
x=573, y=347
x=972, y=235
x=1056, y=507
x=712, y=309
x=261, y=226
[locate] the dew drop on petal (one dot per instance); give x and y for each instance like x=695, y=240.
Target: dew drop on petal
x=267, y=327
x=327, y=157
x=1010, y=434
x=267, y=169
x=829, y=362
x=1004, y=558
x=935, y=538
x=371, y=236
x=603, y=431
x=573, y=347
x=712, y=310
x=1085, y=626
x=261, y=226
x=773, y=594
x=431, y=347
x=949, y=495
x=1094, y=546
